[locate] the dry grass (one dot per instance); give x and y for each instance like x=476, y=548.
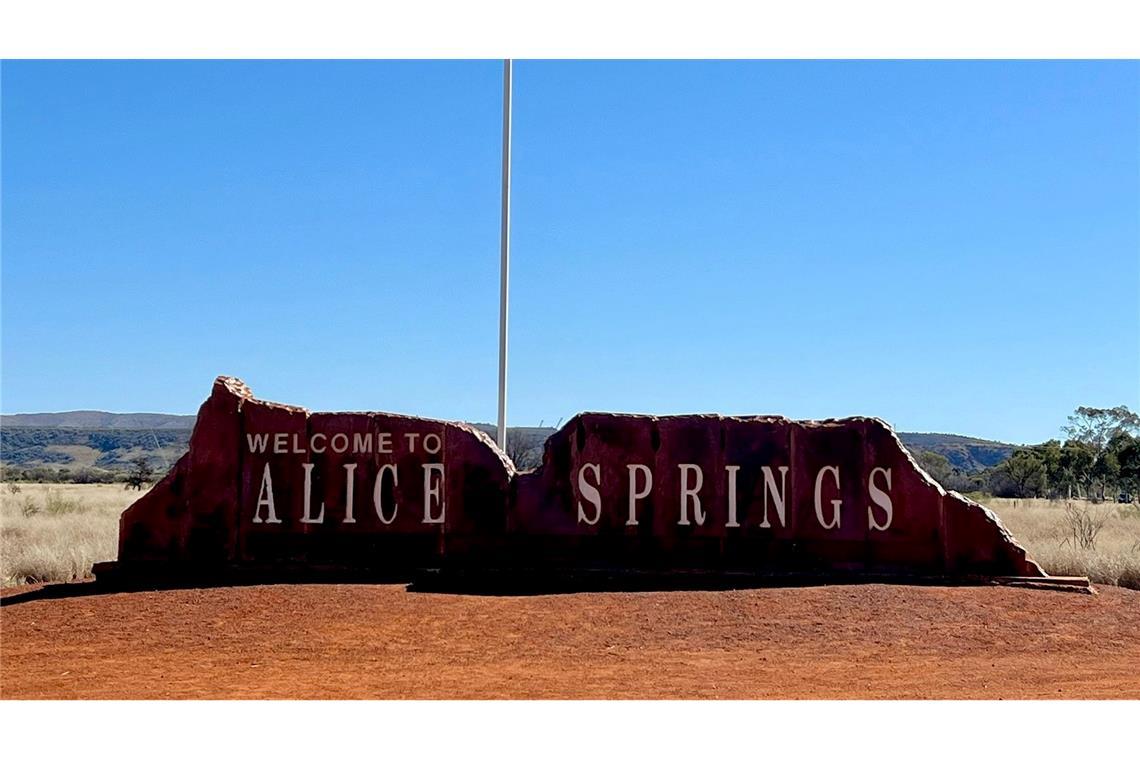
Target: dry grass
x=1044, y=529
x=51, y=532
x=56, y=532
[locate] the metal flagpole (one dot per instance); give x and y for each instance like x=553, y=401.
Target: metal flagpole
x=505, y=255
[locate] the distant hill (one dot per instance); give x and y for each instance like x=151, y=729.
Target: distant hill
x=99, y=421
x=74, y=449
x=74, y=441
x=965, y=453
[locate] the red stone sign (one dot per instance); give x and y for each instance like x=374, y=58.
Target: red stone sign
x=271, y=488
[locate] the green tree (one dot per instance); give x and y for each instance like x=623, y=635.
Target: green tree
x=1096, y=427
x=140, y=473
x=1108, y=465
x=1077, y=460
x=1051, y=456
x=1021, y=476
x=936, y=465
x=1128, y=457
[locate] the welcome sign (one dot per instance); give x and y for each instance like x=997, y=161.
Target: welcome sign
x=269, y=486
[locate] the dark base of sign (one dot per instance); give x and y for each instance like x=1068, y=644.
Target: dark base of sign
x=516, y=581
x=153, y=576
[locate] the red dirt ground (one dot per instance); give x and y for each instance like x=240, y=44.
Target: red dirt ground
x=354, y=641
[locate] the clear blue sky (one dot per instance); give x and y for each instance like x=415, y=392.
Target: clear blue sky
x=952, y=246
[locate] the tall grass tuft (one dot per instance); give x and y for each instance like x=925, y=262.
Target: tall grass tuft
x=58, y=503
x=57, y=532
x=1101, y=541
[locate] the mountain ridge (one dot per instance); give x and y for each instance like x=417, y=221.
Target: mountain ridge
x=89, y=439
x=89, y=419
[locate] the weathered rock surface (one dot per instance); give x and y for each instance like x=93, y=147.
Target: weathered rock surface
x=442, y=487
x=768, y=493
x=268, y=485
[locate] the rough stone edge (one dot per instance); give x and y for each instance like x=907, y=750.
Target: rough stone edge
x=1032, y=567
x=239, y=388
x=163, y=493
x=243, y=394
x=991, y=516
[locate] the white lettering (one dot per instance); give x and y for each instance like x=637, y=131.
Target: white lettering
x=257, y=442
x=265, y=497
x=313, y=443
x=777, y=495
x=881, y=498
x=590, y=492
x=732, y=469
x=688, y=491
x=342, y=446
x=634, y=493
x=432, y=493
x=361, y=443
x=376, y=499
x=348, y=489
x=280, y=443
x=384, y=445
x=411, y=439
x=427, y=446
x=835, y=503
x=308, y=516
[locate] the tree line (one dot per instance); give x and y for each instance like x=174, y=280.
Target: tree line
x=139, y=474
x=1099, y=459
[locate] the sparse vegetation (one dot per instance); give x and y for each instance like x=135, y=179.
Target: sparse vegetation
x=60, y=503
x=1101, y=541
x=940, y=468
x=1085, y=524
x=1100, y=460
x=29, y=507
x=523, y=450
x=52, y=532
x=140, y=473
x=70, y=455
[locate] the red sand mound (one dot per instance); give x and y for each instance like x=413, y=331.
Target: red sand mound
x=349, y=641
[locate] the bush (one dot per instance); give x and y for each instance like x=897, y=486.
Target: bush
x=1084, y=525
x=1046, y=529
x=56, y=503
x=92, y=475
x=28, y=507
x=61, y=543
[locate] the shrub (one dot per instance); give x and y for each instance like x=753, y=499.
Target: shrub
x=1046, y=530
x=60, y=543
x=1084, y=525
x=55, y=503
x=28, y=507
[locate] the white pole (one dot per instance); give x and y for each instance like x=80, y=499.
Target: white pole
x=505, y=255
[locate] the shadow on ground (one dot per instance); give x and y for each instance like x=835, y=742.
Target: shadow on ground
x=523, y=582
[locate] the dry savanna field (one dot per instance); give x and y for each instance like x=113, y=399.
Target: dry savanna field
x=56, y=532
